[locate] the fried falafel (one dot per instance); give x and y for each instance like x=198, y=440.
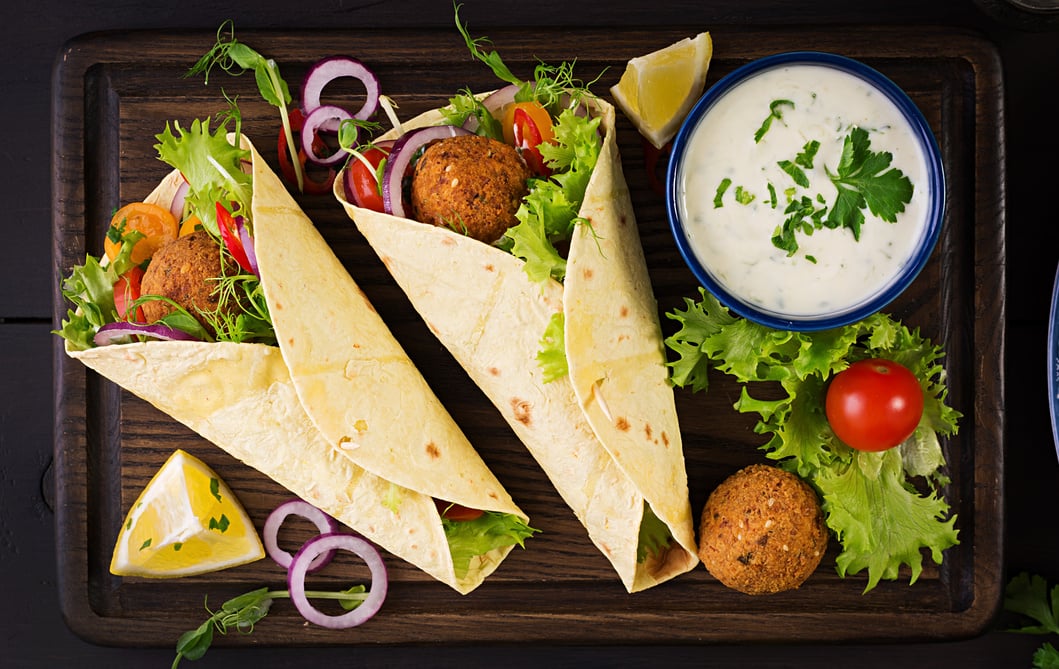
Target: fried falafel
x=470, y=184
x=762, y=531
x=185, y=270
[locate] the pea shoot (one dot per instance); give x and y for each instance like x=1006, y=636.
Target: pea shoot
x=234, y=57
x=243, y=612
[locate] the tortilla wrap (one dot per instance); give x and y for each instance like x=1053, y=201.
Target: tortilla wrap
x=607, y=435
x=337, y=414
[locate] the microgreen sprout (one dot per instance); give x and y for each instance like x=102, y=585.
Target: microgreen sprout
x=234, y=57
x=243, y=612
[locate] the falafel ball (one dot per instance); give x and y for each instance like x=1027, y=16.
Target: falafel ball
x=470, y=184
x=762, y=531
x=184, y=270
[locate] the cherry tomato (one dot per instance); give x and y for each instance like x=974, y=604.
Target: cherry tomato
x=874, y=404
x=361, y=182
x=656, y=167
x=526, y=126
x=127, y=291
x=451, y=511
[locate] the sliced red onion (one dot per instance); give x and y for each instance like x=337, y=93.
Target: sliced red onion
x=329, y=69
x=248, y=245
x=109, y=333
x=296, y=507
x=322, y=118
x=333, y=542
x=176, y=207
x=495, y=103
x=401, y=155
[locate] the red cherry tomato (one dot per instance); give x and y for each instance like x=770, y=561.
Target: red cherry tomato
x=361, y=182
x=874, y=404
x=451, y=511
x=526, y=126
x=127, y=291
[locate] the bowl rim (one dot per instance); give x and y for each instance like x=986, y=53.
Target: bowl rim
x=935, y=177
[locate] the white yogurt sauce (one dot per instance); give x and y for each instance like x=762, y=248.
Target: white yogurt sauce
x=734, y=242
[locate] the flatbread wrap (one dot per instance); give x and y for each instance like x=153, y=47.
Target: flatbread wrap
x=604, y=429
x=335, y=412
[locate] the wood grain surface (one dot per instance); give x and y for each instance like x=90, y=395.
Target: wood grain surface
x=113, y=93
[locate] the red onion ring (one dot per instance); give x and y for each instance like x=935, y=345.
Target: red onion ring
x=318, y=120
x=494, y=103
x=401, y=155
x=331, y=542
x=296, y=507
x=176, y=207
x=109, y=333
x=329, y=69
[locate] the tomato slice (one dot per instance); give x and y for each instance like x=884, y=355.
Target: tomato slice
x=362, y=182
x=452, y=511
x=127, y=291
x=526, y=126
x=874, y=404
x=157, y=225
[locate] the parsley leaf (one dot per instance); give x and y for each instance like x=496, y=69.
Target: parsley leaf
x=1028, y=596
x=862, y=179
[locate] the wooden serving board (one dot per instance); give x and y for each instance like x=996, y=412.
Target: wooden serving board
x=115, y=92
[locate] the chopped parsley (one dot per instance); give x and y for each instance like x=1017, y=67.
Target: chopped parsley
x=863, y=178
x=721, y=188
x=775, y=114
x=743, y=196
x=220, y=525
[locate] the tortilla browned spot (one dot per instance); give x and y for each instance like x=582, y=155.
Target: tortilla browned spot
x=522, y=410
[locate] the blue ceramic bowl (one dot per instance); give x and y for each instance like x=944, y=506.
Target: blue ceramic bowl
x=935, y=188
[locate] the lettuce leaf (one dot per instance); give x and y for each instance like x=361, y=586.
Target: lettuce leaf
x=881, y=523
x=548, y=213
x=552, y=355
x=90, y=288
x=491, y=530
x=212, y=166
x=882, y=520
x=654, y=536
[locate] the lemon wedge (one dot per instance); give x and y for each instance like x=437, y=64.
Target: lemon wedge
x=657, y=90
x=185, y=522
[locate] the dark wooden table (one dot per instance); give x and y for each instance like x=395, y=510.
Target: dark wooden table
x=34, y=633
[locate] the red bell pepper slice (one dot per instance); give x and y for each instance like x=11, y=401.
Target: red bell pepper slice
x=230, y=237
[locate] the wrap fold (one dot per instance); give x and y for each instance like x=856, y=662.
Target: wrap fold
x=606, y=435
x=337, y=413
